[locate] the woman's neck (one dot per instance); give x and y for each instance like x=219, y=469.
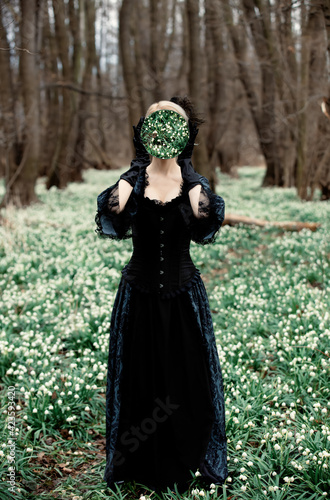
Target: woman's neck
x=163, y=166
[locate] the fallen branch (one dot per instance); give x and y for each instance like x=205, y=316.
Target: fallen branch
x=234, y=219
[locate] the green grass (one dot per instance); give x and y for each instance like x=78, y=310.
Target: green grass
x=269, y=296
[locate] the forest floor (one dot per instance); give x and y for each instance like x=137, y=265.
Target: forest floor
x=269, y=296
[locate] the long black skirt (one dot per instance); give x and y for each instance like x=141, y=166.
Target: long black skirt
x=165, y=415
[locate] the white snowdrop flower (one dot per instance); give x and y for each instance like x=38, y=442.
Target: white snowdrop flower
x=212, y=485
x=243, y=487
x=46, y=412
x=250, y=463
x=197, y=473
x=25, y=417
x=212, y=491
x=34, y=410
x=277, y=447
x=70, y=431
x=29, y=450
x=87, y=408
x=202, y=493
x=69, y=393
x=50, y=407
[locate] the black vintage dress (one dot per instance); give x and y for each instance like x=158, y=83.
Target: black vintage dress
x=165, y=413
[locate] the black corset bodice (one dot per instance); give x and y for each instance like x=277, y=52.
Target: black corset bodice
x=161, y=261
x=161, y=234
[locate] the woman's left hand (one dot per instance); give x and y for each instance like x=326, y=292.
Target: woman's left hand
x=189, y=174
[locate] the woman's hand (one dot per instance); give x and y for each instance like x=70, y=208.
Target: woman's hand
x=141, y=159
x=188, y=150
x=189, y=174
x=141, y=151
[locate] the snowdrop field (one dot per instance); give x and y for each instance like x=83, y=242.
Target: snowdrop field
x=270, y=303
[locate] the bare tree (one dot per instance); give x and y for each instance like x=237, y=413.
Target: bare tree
x=23, y=158
x=195, y=82
x=313, y=149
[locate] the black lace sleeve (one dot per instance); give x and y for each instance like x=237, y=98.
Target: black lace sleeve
x=211, y=210
x=110, y=223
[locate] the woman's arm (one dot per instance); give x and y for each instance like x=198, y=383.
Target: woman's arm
x=124, y=192
x=194, y=195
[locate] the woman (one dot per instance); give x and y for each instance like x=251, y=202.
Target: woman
x=165, y=414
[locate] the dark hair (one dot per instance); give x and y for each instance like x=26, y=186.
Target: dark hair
x=189, y=108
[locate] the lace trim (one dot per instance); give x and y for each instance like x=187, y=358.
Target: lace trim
x=204, y=205
x=110, y=223
x=205, y=228
x=154, y=200
x=113, y=200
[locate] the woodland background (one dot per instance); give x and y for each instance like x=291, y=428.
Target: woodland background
x=75, y=75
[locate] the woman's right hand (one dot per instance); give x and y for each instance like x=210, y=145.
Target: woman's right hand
x=141, y=151
x=142, y=158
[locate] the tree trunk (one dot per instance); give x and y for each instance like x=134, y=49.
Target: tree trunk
x=220, y=99
x=20, y=183
x=7, y=103
x=196, y=84
x=313, y=134
x=78, y=153
x=59, y=172
x=52, y=103
x=128, y=65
